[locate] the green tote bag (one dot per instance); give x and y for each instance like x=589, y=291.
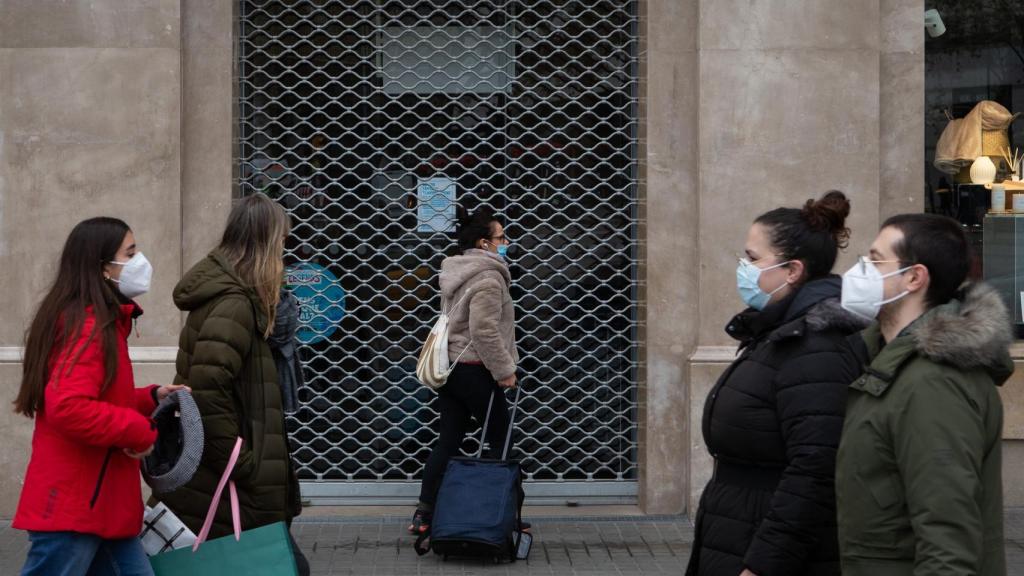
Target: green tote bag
x=263, y=551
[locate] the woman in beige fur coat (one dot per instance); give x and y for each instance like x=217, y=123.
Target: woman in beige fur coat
x=475, y=287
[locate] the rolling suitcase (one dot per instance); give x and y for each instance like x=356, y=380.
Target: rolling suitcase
x=479, y=508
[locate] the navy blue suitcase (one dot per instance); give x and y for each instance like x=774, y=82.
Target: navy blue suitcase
x=478, y=508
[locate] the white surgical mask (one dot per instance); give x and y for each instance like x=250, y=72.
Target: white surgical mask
x=864, y=289
x=136, y=275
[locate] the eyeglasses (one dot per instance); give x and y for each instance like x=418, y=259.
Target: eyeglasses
x=863, y=261
x=748, y=262
x=499, y=238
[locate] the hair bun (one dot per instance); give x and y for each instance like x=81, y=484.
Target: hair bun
x=461, y=215
x=829, y=213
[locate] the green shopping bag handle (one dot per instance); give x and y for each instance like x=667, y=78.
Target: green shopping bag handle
x=224, y=479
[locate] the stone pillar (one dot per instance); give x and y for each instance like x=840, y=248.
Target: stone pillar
x=670, y=193
x=901, y=105
x=207, y=153
x=797, y=98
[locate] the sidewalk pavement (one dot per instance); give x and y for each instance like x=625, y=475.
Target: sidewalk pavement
x=588, y=543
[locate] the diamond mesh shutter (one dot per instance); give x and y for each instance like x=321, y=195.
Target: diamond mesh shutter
x=366, y=120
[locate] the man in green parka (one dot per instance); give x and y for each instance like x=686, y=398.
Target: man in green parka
x=919, y=469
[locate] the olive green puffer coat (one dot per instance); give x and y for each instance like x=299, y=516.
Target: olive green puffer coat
x=223, y=356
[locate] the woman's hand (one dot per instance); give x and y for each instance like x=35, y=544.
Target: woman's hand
x=165, y=391
x=747, y=572
x=509, y=382
x=138, y=455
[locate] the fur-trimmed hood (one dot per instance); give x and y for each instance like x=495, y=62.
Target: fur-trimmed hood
x=830, y=314
x=974, y=332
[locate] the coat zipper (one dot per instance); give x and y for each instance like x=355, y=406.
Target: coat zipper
x=99, y=481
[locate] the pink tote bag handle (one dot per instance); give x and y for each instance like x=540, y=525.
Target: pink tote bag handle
x=224, y=479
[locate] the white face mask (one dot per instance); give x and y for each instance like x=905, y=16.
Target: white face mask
x=864, y=289
x=136, y=275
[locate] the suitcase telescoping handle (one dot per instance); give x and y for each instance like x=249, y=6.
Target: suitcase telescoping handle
x=511, y=422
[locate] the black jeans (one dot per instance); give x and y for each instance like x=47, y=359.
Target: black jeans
x=467, y=393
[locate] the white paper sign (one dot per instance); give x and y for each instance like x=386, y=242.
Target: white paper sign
x=436, y=206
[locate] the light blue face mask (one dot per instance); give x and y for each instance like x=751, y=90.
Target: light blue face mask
x=500, y=249
x=747, y=276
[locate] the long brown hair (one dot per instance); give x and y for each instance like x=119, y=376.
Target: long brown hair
x=253, y=242
x=59, y=321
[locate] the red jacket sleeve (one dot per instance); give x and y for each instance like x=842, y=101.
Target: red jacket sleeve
x=73, y=407
x=144, y=400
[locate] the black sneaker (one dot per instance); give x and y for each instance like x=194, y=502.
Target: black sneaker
x=420, y=522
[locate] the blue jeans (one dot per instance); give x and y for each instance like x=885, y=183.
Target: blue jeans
x=74, y=554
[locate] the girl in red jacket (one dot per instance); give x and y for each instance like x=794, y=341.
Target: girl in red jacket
x=82, y=497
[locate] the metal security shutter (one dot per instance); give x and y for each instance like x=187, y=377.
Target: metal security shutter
x=365, y=119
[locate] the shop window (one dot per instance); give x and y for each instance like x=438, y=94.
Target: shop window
x=974, y=92
x=368, y=120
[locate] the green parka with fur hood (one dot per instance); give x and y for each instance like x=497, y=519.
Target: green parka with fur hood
x=919, y=470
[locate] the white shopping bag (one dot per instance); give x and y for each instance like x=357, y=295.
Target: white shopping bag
x=163, y=531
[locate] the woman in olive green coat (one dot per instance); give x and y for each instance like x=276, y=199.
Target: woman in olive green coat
x=231, y=298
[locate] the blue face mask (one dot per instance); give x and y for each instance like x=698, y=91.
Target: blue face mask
x=502, y=250
x=747, y=276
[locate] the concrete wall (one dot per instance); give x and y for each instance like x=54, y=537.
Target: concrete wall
x=90, y=96
x=796, y=98
x=207, y=129
x=822, y=97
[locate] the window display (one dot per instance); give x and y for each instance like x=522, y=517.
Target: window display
x=974, y=94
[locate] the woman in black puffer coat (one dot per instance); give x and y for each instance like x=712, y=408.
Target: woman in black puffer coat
x=773, y=420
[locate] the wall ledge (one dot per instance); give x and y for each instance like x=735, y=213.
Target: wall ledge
x=718, y=355
x=1017, y=351
x=138, y=354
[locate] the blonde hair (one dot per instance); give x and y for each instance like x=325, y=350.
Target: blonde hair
x=253, y=242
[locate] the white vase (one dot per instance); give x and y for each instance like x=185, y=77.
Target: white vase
x=983, y=171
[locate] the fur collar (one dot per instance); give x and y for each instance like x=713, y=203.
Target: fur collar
x=826, y=314
x=971, y=333
x=829, y=314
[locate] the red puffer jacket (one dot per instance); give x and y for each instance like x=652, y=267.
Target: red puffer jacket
x=78, y=477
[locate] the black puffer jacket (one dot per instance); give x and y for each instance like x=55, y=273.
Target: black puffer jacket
x=772, y=423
